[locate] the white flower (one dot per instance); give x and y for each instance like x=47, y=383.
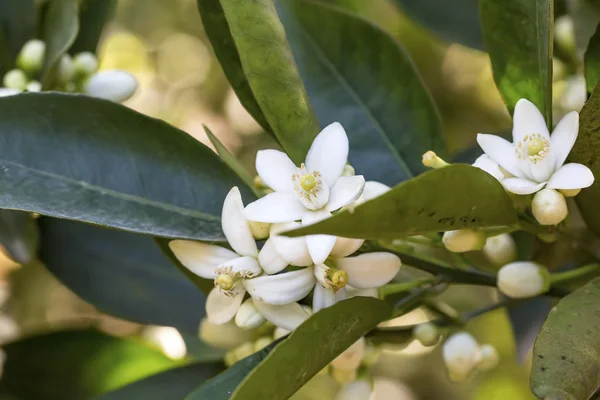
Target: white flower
x=535, y=159
x=549, y=207
x=309, y=193
x=500, y=249
x=235, y=272
x=113, y=85
x=461, y=354
x=463, y=240
x=523, y=279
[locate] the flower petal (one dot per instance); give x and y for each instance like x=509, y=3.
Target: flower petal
x=370, y=270
x=329, y=153
x=235, y=226
x=246, y=267
x=275, y=208
x=501, y=151
x=490, y=166
x=322, y=298
x=522, y=185
x=374, y=189
x=269, y=259
x=287, y=316
x=319, y=246
x=221, y=308
x=284, y=288
x=275, y=169
x=200, y=258
x=527, y=119
x=346, y=190
x=543, y=169
x=292, y=250
x=345, y=246
x=247, y=316
x=563, y=138
x=571, y=176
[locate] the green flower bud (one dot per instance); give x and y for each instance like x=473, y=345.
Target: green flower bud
x=463, y=240
x=500, y=249
x=427, y=333
x=86, y=64
x=31, y=57
x=34, y=86
x=15, y=79
x=66, y=70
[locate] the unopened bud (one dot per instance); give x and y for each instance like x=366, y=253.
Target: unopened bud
x=280, y=332
x=244, y=350
x=224, y=336
x=463, y=240
x=15, y=79
x=262, y=342
x=85, y=63
x=500, y=249
x=260, y=230
x=427, y=333
x=356, y=390
x=114, y=85
x=564, y=33
x=66, y=70
x=523, y=279
x=549, y=207
x=248, y=316
x=489, y=357
x=351, y=357
x=31, y=57
x=348, y=170
x=569, y=192
x=461, y=355
x=34, y=86
x=431, y=160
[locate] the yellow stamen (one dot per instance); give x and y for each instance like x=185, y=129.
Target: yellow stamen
x=225, y=281
x=339, y=278
x=308, y=182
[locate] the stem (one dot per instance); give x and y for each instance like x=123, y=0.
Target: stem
x=534, y=229
x=400, y=287
x=573, y=274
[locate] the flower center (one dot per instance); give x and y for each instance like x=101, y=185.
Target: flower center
x=309, y=187
x=224, y=281
x=533, y=147
x=338, y=278
x=308, y=182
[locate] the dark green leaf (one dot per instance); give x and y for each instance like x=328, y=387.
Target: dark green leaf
x=309, y=348
x=454, y=21
x=566, y=354
x=518, y=35
x=81, y=158
x=61, y=25
x=526, y=320
x=592, y=61
x=76, y=365
x=93, y=15
x=19, y=235
x=17, y=26
x=454, y=197
x=121, y=273
x=174, y=384
x=267, y=65
x=358, y=75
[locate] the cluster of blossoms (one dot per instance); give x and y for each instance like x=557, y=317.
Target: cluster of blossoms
x=285, y=270
x=78, y=74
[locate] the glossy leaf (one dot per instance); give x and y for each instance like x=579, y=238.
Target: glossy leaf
x=358, y=75
x=76, y=364
x=93, y=15
x=454, y=197
x=592, y=61
x=121, y=273
x=309, y=348
x=17, y=26
x=267, y=65
x=60, y=28
x=19, y=235
x=454, y=21
x=566, y=354
x=518, y=35
x=96, y=161
x=173, y=384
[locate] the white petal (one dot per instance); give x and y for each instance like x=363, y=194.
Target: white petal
x=343, y=293
x=248, y=317
x=329, y=153
x=284, y=288
x=200, y=258
x=501, y=151
x=571, y=176
x=527, y=119
x=114, y=85
x=319, y=246
x=563, y=138
x=288, y=316
x=374, y=189
x=270, y=260
x=221, y=308
x=275, y=169
x=235, y=226
x=322, y=298
x=370, y=270
x=490, y=166
x=352, y=292
x=275, y=207
x=345, y=246
x=543, y=169
x=346, y=190
x=246, y=267
x=522, y=185
x=292, y=250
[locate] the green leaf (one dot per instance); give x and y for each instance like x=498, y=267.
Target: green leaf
x=174, y=384
x=455, y=197
x=309, y=348
x=93, y=15
x=76, y=157
x=19, y=235
x=267, y=65
x=121, y=273
x=592, y=61
x=358, y=75
x=61, y=25
x=457, y=21
x=76, y=364
x=17, y=26
x=518, y=35
x=566, y=354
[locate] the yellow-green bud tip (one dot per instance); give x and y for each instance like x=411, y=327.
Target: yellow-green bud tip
x=431, y=160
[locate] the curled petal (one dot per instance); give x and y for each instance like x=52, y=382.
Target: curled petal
x=485, y=163
x=245, y=267
x=329, y=153
x=527, y=119
x=284, y=288
x=522, y=185
x=347, y=190
x=370, y=270
x=270, y=260
x=235, y=226
x=221, y=308
x=571, y=176
x=275, y=169
x=345, y=246
x=200, y=258
x=292, y=250
x=275, y=207
x=322, y=298
x=287, y=316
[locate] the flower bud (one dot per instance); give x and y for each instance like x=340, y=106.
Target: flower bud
x=461, y=354
x=564, y=33
x=431, y=160
x=569, y=192
x=15, y=79
x=463, y=240
x=549, y=207
x=85, y=64
x=260, y=230
x=523, y=279
x=348, y=170
x=489, y=357
x=350, y=359
x=224, y=336
x=66, y=70
x=114, y=85
x=34, y=86
x=262, y=342
x=9, y=92
x=500, y=249
x=279, y=333
x=248, y=316
x=356, y=390
x=427, y=333
x=31, y=57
